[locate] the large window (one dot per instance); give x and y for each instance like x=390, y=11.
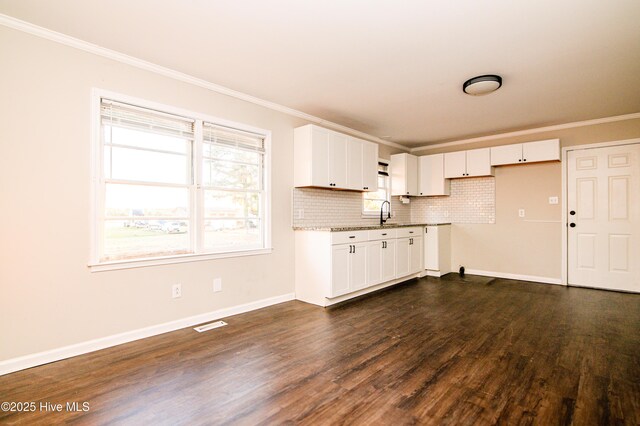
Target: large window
x=372, y=201
x=177, y=185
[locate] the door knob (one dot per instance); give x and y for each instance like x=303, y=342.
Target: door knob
x=573, y=225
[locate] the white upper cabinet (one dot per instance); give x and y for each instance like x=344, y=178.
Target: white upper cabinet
x=431, y=180
x=529, y=152
x=548, y=150
x=404, y=174
x=327, y=159
x=475, y=162
x=370, y=166
x=337, y=160
x=354, y=164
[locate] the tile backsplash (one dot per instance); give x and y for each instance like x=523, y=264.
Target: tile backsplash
x=472, y=200
x=325, y=207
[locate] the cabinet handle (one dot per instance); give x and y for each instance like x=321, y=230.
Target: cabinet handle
x=354, y=249
x=352, y=236
x=350, y=246
x=384, y=234
x=524, y=159
x=411, y=232
x=520, y=160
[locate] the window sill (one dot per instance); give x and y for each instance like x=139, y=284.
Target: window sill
x=168, y=260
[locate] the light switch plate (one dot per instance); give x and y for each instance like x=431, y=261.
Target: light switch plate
x=521, y=213
x=553, y=200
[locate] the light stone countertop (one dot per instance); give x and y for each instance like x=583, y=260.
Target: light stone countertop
x=363, y=227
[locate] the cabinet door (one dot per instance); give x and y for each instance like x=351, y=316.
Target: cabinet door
x=431, y=252
x=402, y=257
x=507, y=154
x=340, y=269
x=388, y=261
x=354, y=164
x=337, y=160
x=479, y=162
x=369, y=166
x=431, y=179
x=374, y=262
x=415, y=255
x=412, y=175
x=548, y=150
x=455, y=164
x=358, y=267
x=319, y=156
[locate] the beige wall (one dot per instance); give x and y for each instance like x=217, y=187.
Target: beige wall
x=513, y=245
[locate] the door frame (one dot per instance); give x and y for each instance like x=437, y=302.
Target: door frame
x=565, y=188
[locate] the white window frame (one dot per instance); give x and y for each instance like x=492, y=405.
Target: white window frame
x=366, y=214
x=196, y=201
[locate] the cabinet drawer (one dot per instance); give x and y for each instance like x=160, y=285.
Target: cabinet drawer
x=347, y=237
x=382, y=234
x=409, y=232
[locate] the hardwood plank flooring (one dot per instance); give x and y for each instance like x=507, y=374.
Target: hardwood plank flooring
x=469, y=351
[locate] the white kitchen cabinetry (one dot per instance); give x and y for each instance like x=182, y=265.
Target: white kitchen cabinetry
x=370, y=166
x=408, y=251
x=437, y=250
x=474, y=162
x=381, y=256
x=335, y=266
x=529, y=152
x=404, y=174
x=431, y=180
x=381, y=261
x=337, y=164
x=327, y=159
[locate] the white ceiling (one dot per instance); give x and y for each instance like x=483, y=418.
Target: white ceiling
x=387, y=68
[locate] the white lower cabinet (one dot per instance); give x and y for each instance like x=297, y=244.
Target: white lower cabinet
x=348, y=268
x=415, y=255
x=437, y=250
x=389, y=260
x=402, y=257
x=332, y=265
x=408, y=256
x=381, y=261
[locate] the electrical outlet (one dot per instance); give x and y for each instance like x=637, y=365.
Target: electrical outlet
x=176, y=291
x=521, y=213
x=217, y=285
x=300, y=213
x=553, y=200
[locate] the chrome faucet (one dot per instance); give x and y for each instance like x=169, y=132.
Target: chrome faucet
x=382, y=219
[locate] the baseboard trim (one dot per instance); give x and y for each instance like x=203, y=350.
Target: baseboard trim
x=532, y=278
x=40, y=358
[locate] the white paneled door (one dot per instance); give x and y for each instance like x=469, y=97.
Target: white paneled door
x=603, y=205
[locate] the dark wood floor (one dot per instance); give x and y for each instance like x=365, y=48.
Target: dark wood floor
x=431, y=351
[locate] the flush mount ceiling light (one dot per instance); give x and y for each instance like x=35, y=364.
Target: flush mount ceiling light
x=482, y=85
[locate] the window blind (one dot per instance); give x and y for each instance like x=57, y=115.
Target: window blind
x=229, y=137
x=131, y=117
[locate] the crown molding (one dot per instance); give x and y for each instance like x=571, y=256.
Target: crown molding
x=556, y=127
x=29, y=28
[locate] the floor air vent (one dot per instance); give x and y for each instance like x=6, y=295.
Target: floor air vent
x=210, y=326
